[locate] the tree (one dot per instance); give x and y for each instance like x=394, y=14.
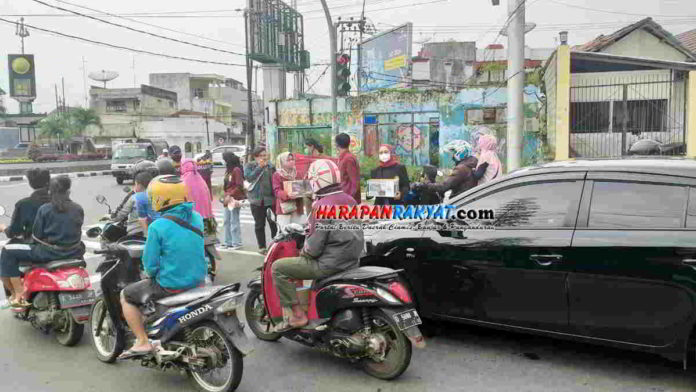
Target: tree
x=81, y=118
x=55, y=126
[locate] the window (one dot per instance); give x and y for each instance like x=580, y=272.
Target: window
x=199, y=148
x=623, y=205
x=188, y=147
x=538, y=205
x=588, y=117
x=116, y=106
x=643, y=116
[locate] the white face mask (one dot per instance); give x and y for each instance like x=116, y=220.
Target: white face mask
x=384, y=157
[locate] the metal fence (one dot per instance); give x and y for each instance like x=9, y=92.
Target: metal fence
x=614, y=114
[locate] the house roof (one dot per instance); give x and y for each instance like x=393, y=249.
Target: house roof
x=688, y=39
x=649, y=25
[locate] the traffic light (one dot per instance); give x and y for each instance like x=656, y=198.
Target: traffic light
x=342, y=74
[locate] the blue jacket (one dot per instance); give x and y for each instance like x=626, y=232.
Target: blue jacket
x=174, y=256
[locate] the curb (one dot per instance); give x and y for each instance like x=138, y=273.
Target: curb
x=71, y=175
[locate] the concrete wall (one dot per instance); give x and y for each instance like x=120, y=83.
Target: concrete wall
x=641, y=43
x=176, y=82
x=460, y=53
x=454, y=115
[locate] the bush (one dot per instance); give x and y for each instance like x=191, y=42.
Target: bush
x=47, y=158
x=16, y=160
x=33, y=152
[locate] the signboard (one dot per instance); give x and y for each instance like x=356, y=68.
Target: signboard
x=276, y=34
x=22, y=77
x=385, y=59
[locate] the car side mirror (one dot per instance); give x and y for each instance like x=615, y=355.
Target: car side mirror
x=101, y=199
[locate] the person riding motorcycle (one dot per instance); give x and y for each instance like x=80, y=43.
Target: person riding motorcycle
x=22, y=221
x=325, y=252
x=464, y=176
x=127, y=209
x=173, y=258
x=56, y=233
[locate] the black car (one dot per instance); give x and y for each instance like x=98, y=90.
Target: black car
x=601, y=251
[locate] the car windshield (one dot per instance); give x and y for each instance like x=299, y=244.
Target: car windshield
x=128, y=152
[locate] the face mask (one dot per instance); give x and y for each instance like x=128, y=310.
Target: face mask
x=384, y=157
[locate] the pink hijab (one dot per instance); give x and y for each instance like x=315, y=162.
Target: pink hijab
x=488, y=145
x=198, y=190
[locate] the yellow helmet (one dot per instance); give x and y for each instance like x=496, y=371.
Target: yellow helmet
x=166, y=191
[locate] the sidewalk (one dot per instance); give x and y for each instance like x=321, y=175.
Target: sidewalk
x=71, y=175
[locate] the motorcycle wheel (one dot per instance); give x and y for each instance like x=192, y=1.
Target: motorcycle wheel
x=111, y=341
x=398, y=350
x=233, y=361
x=255, y=313
x=119, y=180
x=70, y=333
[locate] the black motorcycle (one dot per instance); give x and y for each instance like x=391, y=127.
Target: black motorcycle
x=196, y=332
x=366, y=314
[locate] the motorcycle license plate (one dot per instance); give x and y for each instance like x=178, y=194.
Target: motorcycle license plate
x=407, y=319
x=77, y=298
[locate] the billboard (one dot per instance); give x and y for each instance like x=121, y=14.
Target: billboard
x=22, y=77
x=385, y=59
x=276, y=35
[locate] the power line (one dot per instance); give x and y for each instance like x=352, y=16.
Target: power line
x=128, y=15
x=319, y=78
x=148, y=24
x=617, y=12
x=138, y=30
x=393, y=8
x=124, y=47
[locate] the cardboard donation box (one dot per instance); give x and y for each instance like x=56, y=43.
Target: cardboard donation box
x=383, y=187
x=301, y=188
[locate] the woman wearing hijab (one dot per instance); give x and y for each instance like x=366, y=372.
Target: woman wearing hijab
x=198, y=193
x=288, y=206
x=234, y=193
x=389, y=168
x=488, y=146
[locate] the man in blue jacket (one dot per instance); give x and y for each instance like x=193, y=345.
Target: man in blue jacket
x=174, y=256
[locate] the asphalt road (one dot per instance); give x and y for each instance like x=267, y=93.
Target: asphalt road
x=458, y=359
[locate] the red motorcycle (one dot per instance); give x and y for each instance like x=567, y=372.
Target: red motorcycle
x=61, y=296
x=366, y=314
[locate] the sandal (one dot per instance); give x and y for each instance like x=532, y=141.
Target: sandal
x=130, y=354
x=21, y=303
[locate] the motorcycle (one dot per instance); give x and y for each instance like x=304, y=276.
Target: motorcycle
x=196, y=332
x=61, y=295
x=111, y=231
x=653, y=147
x=365, y=314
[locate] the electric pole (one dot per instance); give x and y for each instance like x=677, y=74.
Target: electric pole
x=249, y=63
x=332, y=62
x=515, y=83
x=22, y=32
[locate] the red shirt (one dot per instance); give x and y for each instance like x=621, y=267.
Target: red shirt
x=350, y=175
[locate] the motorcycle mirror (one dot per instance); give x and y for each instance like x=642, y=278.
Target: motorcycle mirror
x=101, y=199
x=94, y=232
x=2, y=210
x=126, y=189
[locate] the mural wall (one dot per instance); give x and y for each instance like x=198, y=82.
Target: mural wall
x=416, y=123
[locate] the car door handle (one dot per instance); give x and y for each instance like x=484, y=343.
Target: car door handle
x=691, y=262
x=545, y=260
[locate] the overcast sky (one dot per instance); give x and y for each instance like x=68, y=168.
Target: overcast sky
x=223, y=28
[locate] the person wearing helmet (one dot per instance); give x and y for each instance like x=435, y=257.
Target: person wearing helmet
x=165, y=165
x=465, y=174
x=128, y=209
x=324, y=252
x=175, y=154
x=174, y=256
x=165, y=154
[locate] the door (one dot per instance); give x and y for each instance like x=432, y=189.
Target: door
x=632, y=277
x=516, y=273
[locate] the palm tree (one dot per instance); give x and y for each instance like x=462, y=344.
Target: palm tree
x=81, y=118
x=54, y=126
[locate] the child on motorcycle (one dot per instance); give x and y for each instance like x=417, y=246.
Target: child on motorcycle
x=324, y=253
x=141, y=203
x=174, y=257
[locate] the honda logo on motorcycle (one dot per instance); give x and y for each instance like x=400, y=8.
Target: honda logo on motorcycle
x=195, y=313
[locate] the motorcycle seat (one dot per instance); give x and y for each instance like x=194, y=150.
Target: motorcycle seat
x=360, y=273
x=188, y=296
x=53, y=265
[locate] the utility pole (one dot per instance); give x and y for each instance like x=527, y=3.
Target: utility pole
x=332, y=61
x=515, y=83
x=62, y=82
x=84, y=81
x=22, y=32
x=207, y=132
x=249, y=63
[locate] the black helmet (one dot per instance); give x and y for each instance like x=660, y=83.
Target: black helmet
x=165, y=166
x=145, y=166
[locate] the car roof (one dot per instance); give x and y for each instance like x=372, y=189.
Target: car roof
x=675, y=166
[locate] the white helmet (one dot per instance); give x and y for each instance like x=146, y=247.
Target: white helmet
x=323, y=173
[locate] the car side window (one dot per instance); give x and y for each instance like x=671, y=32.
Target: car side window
x=630, y=205
x=539, y=205
x=691, y=210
